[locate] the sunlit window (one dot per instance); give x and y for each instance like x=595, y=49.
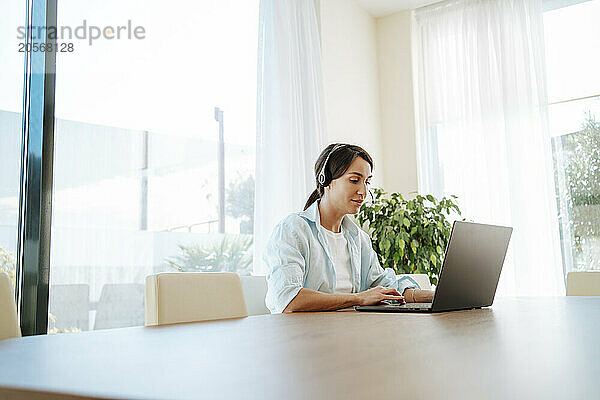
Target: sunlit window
x=573, y=62
x=154, y=152
x=12, y=64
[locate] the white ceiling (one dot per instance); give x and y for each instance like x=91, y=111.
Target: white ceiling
x=381, y=8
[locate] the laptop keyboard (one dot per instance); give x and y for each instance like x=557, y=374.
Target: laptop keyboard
x=411, y=305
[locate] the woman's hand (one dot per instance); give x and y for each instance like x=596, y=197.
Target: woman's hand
x=376, y=295
x=419, y=296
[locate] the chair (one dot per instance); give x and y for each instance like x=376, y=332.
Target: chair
x=120, y=305
x=583, y=283
x=70, y=304
x=9, y=323
x=255, y=291
x=421, y=279
x=193, y=296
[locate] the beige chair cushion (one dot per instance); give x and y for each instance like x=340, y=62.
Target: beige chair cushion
x=583, y=283
x=193, y=296
x=421, y=279
x=9, y=323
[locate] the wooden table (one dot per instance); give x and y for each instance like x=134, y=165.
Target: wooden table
x=521, y=348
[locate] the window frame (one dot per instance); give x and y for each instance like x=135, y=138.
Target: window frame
x=37, y=153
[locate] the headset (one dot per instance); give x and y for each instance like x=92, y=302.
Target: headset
x=321, y=177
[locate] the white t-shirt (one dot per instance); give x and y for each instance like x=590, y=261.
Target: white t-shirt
x=341, y=261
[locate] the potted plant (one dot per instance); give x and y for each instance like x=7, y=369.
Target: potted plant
x=409, y=236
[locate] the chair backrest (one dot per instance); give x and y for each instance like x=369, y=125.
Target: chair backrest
x=70, y=304
x=421, y=279
x=9, y=323
x=174, y=297
x=583, y=283
x=255, y=291
x=120, y=305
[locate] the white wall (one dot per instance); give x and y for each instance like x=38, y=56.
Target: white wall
x=368, y=88
x=397, y=102
x=349, y=48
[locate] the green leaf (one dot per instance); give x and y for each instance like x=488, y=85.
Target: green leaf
x=386, y=244
x=406, y=222
x=430, y=198
x=433, y=259
x=401, y=243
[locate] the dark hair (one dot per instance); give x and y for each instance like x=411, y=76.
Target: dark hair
x=338, y=163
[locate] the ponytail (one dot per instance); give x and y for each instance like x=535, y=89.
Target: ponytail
x=314, y=196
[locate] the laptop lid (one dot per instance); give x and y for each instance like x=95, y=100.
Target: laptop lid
x=472, y=265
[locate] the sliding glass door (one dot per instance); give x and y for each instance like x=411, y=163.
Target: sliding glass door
x=134, y=156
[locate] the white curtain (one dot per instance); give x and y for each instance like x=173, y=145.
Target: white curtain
x=483, y=128
x=290, y=114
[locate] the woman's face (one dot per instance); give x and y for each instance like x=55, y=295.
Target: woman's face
x=347, y=192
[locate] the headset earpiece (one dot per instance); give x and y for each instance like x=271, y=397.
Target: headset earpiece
x=321, y=177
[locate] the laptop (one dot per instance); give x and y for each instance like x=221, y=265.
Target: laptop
x=470, y=272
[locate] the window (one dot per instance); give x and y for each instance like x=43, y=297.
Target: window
x=137, y=166
x=573, y=62
x=11, y=107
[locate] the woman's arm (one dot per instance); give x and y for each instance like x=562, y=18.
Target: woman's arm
x=418, y=295
x=312, y=300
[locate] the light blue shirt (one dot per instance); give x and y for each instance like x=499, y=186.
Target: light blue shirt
x=298, y=256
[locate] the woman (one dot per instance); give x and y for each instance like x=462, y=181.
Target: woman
x=320, y=259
